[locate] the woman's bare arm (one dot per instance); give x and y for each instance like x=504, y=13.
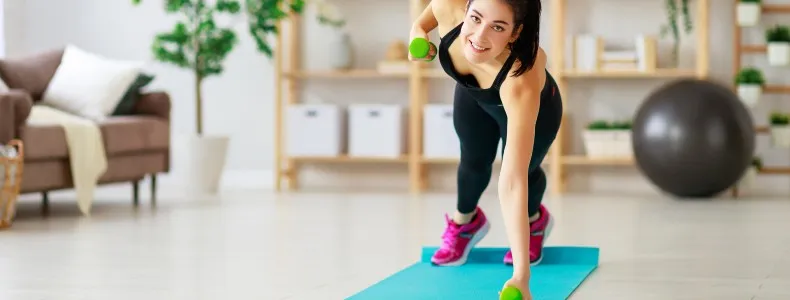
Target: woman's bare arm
x=425, y=23
x=521, y=100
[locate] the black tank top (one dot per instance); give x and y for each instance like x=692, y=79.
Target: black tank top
x=469, y=82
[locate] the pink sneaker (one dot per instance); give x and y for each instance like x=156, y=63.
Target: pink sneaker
x=458, y=240
x=540, y=232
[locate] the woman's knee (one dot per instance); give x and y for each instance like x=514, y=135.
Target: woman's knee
x=478, y=163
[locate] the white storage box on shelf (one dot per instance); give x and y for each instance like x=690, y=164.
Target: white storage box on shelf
x=376, y=130
x=608, y=143
x=439, y=138
x=315, y=130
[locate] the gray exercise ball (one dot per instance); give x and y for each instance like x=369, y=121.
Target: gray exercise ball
x=693, y=138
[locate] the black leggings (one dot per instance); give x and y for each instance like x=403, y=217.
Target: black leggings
x=480, y=126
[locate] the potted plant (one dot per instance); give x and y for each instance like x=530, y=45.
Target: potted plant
x=780, y=129
x=674, y=9
x=622, y=146
x=607, y=139
x=339, y=46
x=778, y=41
x=746, y=182
x=199, y=43
x=750, y=83
x=748, y=12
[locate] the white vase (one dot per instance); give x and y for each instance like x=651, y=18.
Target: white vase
x=206, y=156
x=748, y=13
x=750, y=93
x=778, y=53
x=746, y=183
x=780, y=135
x=340, y=51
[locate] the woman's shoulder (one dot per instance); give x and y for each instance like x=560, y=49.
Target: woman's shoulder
x=450, y=11
x=533, y=78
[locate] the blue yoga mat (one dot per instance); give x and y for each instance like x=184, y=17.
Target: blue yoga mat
x=562, y=270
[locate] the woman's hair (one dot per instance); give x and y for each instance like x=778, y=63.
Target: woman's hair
x=526, y=13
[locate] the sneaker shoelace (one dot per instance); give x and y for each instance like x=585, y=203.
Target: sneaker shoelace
x=450, y=236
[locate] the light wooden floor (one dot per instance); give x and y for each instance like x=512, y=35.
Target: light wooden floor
x=258, y=245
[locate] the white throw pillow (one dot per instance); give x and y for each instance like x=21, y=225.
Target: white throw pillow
x=89, y=85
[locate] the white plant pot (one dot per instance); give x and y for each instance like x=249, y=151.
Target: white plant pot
x=607, y=143
x=750, y=93
x=205, y=163
x=746, y=183
x=778, y=53
x=748, y=14
x=780, y=136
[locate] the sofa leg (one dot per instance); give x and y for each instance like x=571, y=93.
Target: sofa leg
x=153, y=189
x=44, y=202
x=136, y=192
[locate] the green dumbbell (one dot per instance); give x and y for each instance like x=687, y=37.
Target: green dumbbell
x=510, y=293
x=420, y=48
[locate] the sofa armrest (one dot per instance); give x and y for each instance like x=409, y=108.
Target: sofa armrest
x=15, y=106
x=153, y=103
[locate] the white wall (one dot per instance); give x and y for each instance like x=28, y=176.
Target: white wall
x=240, y=102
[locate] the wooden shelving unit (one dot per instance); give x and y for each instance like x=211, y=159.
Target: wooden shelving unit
x=558, y=159
x=418, y=79
x=740, y=50
x=289, y=75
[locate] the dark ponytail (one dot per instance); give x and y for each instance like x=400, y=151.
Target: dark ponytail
x=526, y=14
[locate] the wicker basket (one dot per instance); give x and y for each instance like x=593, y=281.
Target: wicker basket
x=12, y=157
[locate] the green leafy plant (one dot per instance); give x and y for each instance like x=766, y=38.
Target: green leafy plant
x=779, y=119
x=757, y=163
x=622, y=125
x=196, y=42
x=674, y=8
x=606, y=125
x=750, y=75
x=778, y=34
x=329, y=15
x=598, y=125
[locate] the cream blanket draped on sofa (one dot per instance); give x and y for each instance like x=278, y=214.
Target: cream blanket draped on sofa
x=86, y=150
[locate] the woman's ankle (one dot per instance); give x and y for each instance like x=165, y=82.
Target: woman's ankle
x=463, y=219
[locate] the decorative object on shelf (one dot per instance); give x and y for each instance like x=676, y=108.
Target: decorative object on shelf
x=672, y=25
x=748, y=12
x=12, y=157
x=396, y=60
x=750, y=83
x=587, y=50
x=746, y=183
x=646, y=48
x=778, y=45
x=672, y=133
x=780, y=129
x=608, y=139
x=340, y=47
x=341, y=56
x=590, y=55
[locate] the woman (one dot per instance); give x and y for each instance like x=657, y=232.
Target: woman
x=491, y=48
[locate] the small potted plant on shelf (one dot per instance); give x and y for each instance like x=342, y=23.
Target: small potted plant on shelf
x=750, y=85
x=746, y=182
x=780, y=129
x=748, y=12
x=778, y=41
x=605, y=139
